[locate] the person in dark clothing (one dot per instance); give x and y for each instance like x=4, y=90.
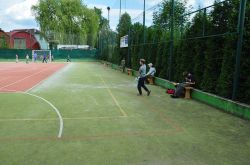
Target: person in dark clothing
x=142, y=78
x=180, y=87
x=68, y=58
x=44, y=58
x=52, y=58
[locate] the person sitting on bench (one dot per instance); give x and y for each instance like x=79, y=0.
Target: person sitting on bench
x=151, y=72
x=180, y=87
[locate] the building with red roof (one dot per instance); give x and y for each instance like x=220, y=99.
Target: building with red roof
x=23, y=39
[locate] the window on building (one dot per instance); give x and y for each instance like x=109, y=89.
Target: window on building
x=20, y=43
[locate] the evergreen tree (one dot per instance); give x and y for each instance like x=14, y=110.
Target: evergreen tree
x=123, y=29
x=215, y=45
x=244, y=83
x=136, y=31
x=225, y=81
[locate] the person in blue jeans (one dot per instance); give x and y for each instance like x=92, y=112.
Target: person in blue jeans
x=142, y=78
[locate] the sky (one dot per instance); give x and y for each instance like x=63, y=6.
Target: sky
x=16, y=14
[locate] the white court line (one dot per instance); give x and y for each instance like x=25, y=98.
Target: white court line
x=39, y=83
x=54, y=108
x=23, y=79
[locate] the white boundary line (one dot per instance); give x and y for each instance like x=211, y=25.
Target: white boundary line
x=54, y=108
x=22, y=79
x=39, y=83
x=41, y=98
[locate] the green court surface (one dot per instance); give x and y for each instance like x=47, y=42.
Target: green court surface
x=106, y=123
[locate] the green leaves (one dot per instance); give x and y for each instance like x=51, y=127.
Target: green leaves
x=66, y=22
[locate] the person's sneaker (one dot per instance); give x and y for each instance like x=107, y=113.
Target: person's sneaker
x=138, y=94
x=149, y=93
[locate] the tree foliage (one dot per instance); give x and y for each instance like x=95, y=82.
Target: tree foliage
x=122, y=29
x=205, y=44
x=66, y=22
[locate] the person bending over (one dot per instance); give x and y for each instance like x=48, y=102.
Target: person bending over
x=142, y=78
x=180, y=87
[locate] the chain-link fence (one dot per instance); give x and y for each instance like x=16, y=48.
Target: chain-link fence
x=212, y=42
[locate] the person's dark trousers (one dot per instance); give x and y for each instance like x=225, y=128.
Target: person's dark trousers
x=141, y=84
x=44, y=59
x=180, y=89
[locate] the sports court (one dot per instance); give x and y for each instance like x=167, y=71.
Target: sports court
x=86, y=113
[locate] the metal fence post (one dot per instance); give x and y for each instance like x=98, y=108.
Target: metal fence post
x=171, y=41
x=204, y=22
x=129, y=45
x=240, y=30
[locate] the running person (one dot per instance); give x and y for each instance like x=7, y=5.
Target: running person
x=142, y=78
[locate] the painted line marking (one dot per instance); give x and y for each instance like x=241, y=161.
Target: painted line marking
x=95, y=137
x=6, y=120
x=23, y=79
x=113, y=97
x=54, y=108
x=65, y=118
x=39, y=83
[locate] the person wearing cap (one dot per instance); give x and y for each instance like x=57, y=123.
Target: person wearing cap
x=142, y=78
x=151, y=73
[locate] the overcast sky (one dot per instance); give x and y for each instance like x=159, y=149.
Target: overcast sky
x=16, y=14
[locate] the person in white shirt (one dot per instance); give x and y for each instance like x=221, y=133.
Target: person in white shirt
x=151, y=74
x=151, y=71
x=16, y=58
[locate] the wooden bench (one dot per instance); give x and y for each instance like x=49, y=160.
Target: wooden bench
x=188, y=92
x=150, y=80
x=129, y=71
